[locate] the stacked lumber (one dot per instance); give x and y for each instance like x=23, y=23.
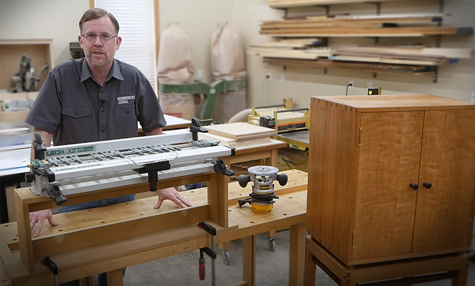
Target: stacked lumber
x=418, y=60
x=238, y=134
x=292, y=48
x=366, y=67
x=301, y=3
x=416, y=25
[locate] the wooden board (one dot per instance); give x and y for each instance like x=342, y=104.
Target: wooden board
x=299, y=3
x=359, y=66
x=356, y=31
x=240, y=131
x=453, y=53
x=233, y=143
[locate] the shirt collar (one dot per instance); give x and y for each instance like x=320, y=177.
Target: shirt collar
x=114, y=72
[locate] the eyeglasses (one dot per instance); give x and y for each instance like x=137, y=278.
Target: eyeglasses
x=105, y=37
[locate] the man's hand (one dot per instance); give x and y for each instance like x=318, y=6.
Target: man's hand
x=38, y=218
x=173, y=195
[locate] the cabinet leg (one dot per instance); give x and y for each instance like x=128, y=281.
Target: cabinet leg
x=310, y=270
x=460, y=278
x=85, y=281
x=115, y=277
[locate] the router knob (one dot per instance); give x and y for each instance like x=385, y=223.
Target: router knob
x=243, y=180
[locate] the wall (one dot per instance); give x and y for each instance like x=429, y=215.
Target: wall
x=199, y=20
x=455, y=80
x=46, y=19
x=58, y=20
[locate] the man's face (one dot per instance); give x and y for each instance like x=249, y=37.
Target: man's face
x=98, y=50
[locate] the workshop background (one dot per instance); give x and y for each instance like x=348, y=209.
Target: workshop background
x=57, y=20
x=266, y=84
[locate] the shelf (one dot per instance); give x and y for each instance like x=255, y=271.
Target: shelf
x=303, y=3
x=11, y=51
x=358, y=26
x=362, y=67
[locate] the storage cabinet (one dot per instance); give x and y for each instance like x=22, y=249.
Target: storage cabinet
x=391, y=177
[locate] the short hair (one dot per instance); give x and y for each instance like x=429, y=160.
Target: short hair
x=96, y=13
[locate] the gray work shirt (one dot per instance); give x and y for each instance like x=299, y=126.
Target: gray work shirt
x=73, y=107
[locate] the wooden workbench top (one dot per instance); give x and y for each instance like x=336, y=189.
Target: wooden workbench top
x=288, y=210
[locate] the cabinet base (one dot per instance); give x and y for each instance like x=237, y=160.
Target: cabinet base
x=402, y=272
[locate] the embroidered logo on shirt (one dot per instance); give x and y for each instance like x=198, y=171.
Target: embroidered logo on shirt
x=125, y=99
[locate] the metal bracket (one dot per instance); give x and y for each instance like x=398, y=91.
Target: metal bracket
x=436, y=76
x=438, y=41
x=378, y=7
x=327, y=8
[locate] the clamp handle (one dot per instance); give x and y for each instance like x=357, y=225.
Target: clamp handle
x=39, y=147
x=195, y=127
x=207, y=227
x=220, y=167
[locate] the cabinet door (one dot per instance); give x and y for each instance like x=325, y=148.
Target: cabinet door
x=444, y=214
x=388, y=162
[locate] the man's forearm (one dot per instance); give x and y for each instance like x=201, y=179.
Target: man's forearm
x=155, y=131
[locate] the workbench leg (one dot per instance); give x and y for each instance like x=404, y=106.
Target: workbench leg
x=249, y=260
x=270, y=233
x=460, y=278
x=115, y=277
x=297, y=254
x=310, y=269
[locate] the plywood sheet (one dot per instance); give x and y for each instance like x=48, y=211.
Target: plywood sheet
x=240, y=131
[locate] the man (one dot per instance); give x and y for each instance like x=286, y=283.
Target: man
x=96, y=98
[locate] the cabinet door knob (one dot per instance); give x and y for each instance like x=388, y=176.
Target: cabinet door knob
x=427, y=185
x=414, y=186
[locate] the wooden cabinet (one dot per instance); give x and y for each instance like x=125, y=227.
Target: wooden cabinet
x=391, y=177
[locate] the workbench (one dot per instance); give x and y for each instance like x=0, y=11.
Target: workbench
x=111, y=238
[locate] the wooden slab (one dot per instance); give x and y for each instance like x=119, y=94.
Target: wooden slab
x=240, y=131
x=300, y=3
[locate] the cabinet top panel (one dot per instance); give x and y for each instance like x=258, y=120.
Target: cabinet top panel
x=376, y=103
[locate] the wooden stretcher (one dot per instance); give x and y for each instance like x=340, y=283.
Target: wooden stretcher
x=111, y=238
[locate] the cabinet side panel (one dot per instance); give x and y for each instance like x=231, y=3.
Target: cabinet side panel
x=332, y=176
x=444, y=214
x=385, y=204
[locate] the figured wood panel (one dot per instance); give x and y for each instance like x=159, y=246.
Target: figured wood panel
x=444, y=216
x=385, y=204
x=332, y=177
x=402, y=102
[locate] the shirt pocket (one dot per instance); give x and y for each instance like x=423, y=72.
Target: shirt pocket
x=76, y=112
x=124, y=121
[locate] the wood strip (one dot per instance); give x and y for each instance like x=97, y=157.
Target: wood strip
x=398, y=31
x=367, y=67
x=413, y=50
x=387, y=60
x=300, y=3
x=284, y=55
x=349, y=21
